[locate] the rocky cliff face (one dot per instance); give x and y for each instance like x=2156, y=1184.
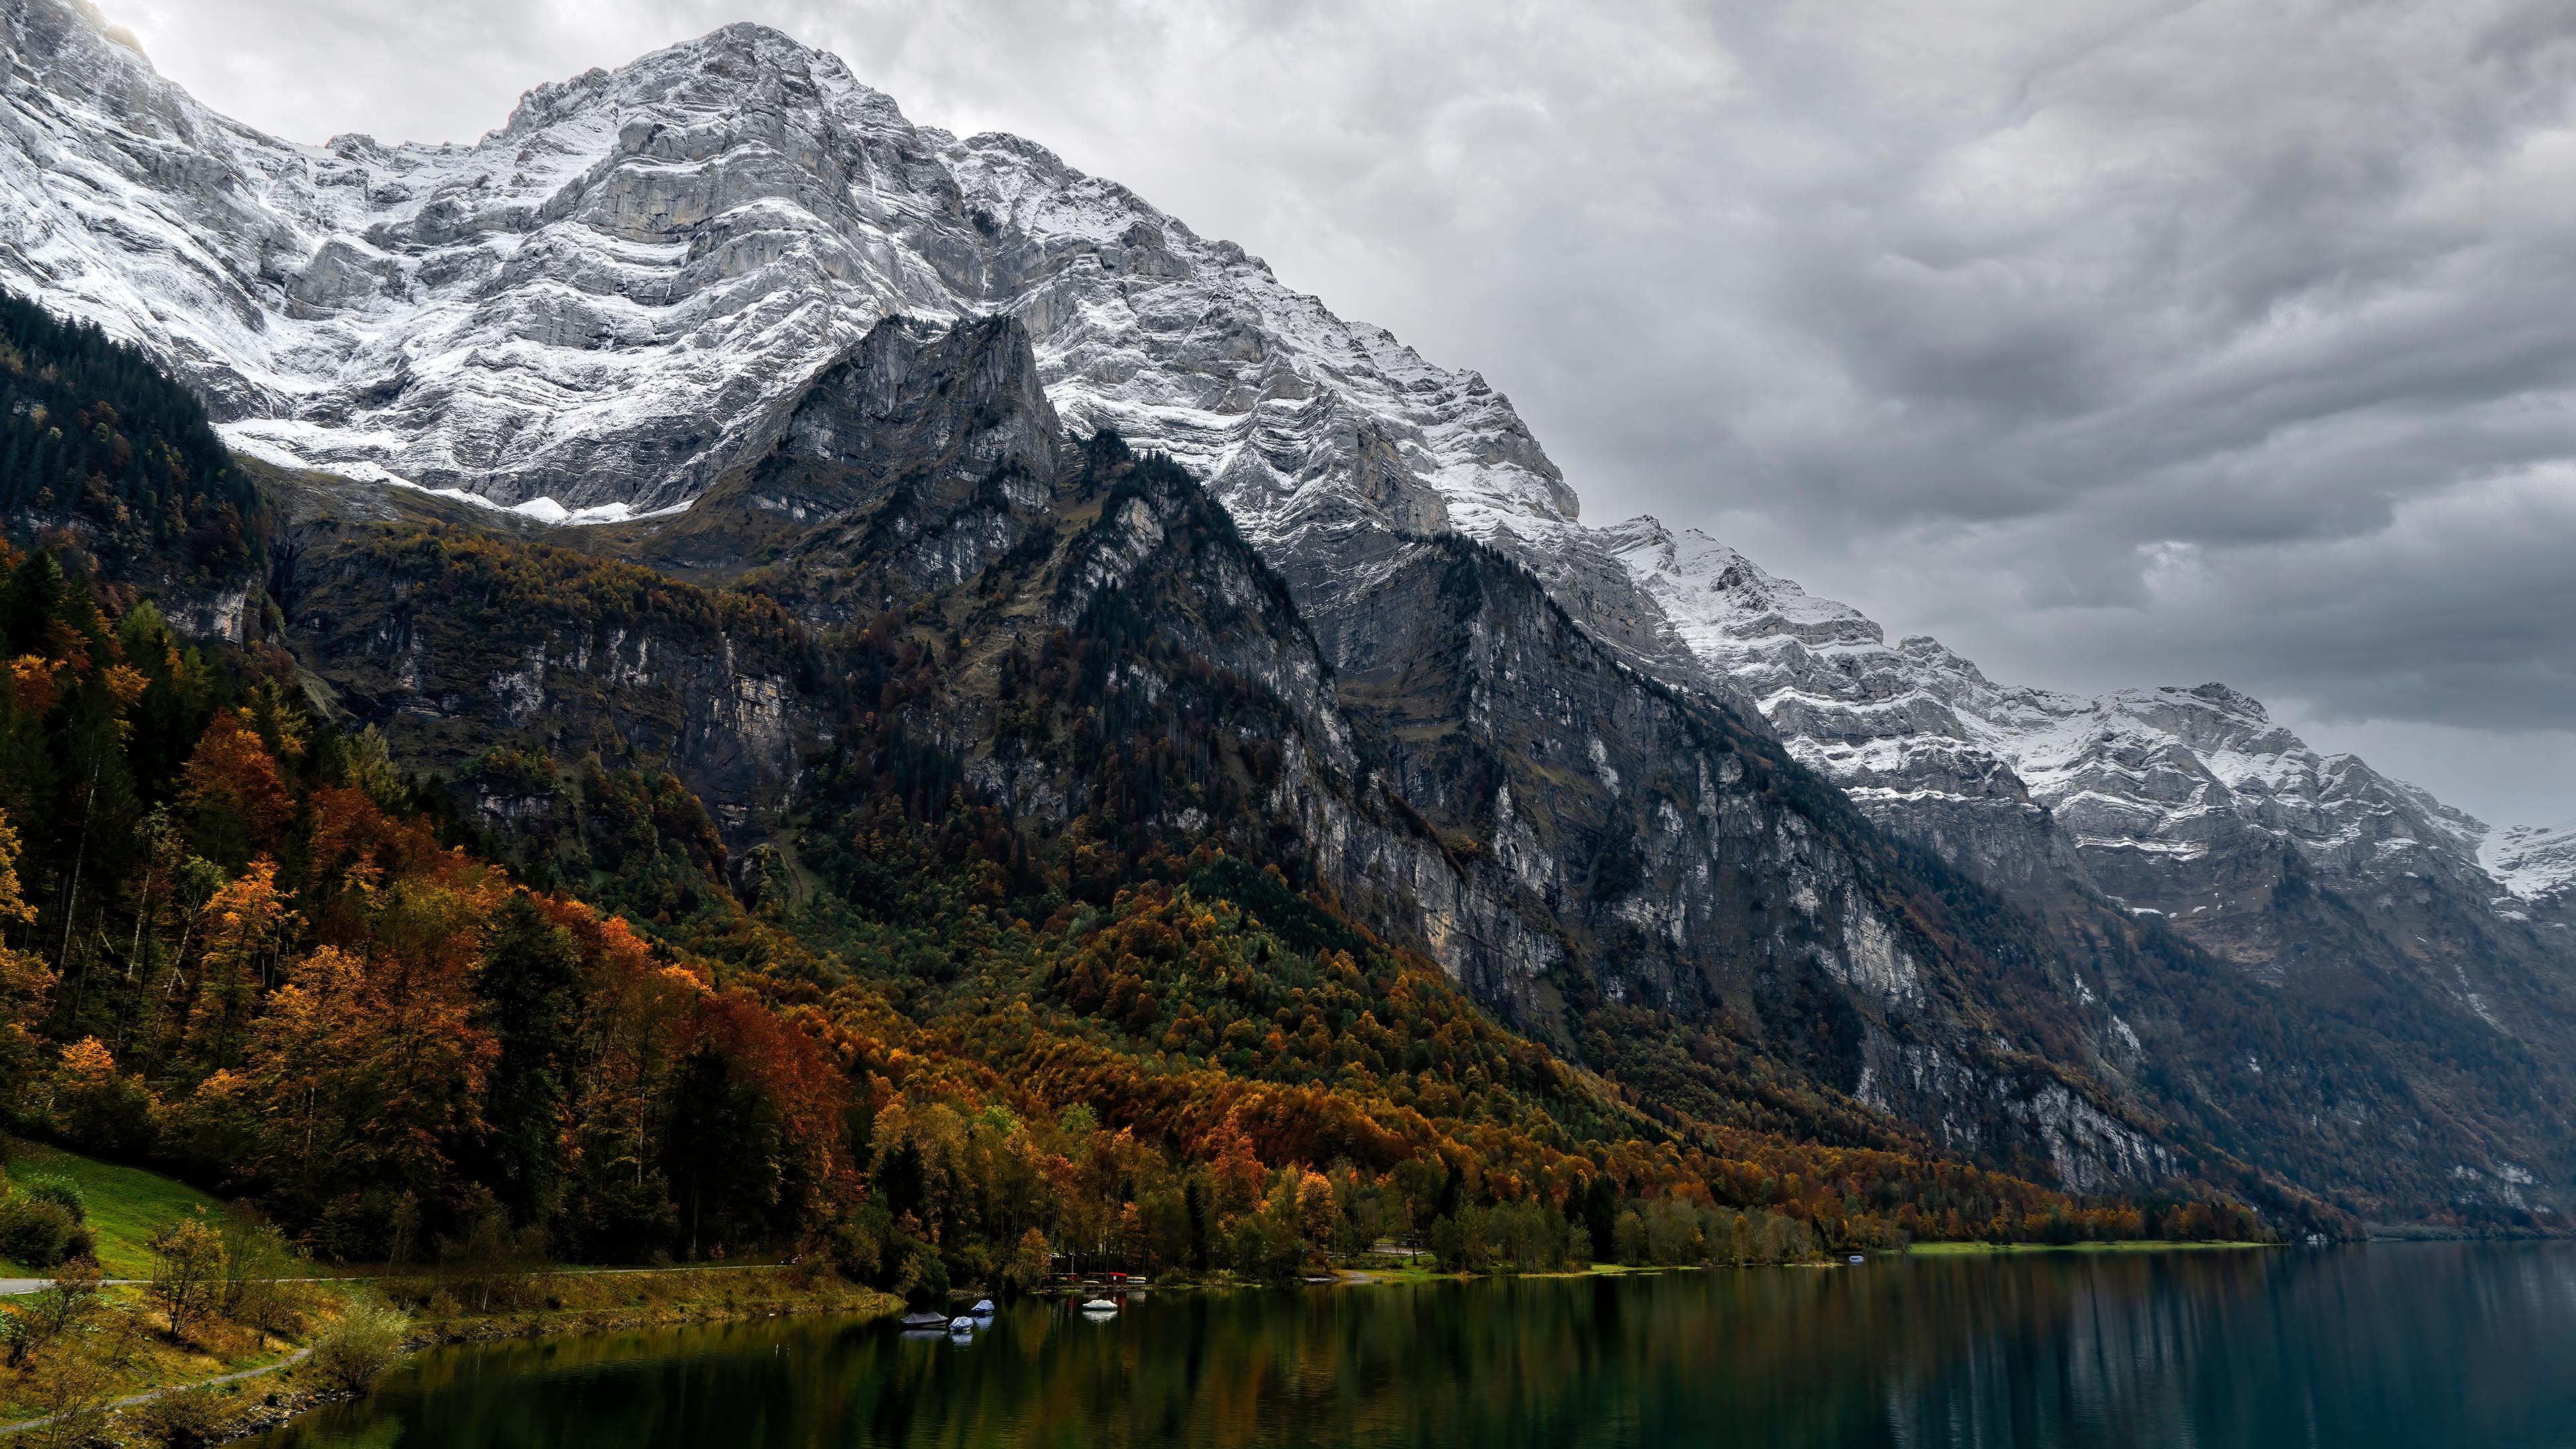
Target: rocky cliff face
x=2193, y=810
x=454, y=641
x=1480, y=777
x=1695, y=873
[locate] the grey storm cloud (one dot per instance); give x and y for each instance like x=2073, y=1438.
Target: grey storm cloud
x=2115, y=343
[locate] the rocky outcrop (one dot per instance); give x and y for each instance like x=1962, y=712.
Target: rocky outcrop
x=454, y=642
x=903, y=468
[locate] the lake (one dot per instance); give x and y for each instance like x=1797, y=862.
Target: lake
x=2398, y=1345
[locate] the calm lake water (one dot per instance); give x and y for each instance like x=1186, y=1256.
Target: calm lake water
x=2407, y=1345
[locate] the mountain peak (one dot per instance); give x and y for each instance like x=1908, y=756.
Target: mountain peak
x=708, y=73
x=602, y=303
x=2233, y=701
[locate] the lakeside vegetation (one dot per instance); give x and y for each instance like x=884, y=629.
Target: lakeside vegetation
x=195, y=1320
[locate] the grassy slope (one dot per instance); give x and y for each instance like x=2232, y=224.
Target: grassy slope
x=125, y=1203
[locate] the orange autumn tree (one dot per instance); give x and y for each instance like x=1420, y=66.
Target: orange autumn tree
x=235, y=792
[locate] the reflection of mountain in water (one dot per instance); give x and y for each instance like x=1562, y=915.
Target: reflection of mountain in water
x=2412, y=1346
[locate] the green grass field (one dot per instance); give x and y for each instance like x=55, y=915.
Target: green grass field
x=1969, y=1250
x=125, y=1204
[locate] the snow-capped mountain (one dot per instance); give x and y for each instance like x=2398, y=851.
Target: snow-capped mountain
x=599, y=308
x=2170, y=800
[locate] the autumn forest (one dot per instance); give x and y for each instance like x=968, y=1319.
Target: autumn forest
x=914, y=1036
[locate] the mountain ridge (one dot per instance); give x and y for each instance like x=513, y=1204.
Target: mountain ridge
x=1894, y=723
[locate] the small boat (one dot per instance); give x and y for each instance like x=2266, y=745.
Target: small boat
x=963, y=1324
x=925, y=1320
x=1321, y=1278
x=1857, y=1258
x=983, y=1308
x=1100, y=1305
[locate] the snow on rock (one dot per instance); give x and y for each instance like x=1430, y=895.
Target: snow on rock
x=618, y=295
x=2532, y=862
x=608, y=300
x=2163, y=794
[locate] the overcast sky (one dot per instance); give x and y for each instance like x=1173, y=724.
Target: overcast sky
x=2113, y=343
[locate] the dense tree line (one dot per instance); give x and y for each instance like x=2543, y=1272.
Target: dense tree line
x=91, y=431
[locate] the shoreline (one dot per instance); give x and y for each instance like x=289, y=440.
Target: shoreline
x=2195, y=1245
x=749, y=1292
x=842, y=1298
x=665, y=1301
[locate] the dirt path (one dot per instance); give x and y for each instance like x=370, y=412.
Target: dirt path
x=130, y=1400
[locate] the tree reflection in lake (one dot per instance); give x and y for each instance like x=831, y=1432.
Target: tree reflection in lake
x=2407, y=1345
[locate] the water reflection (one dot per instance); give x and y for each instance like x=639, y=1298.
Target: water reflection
x=2413, y=1346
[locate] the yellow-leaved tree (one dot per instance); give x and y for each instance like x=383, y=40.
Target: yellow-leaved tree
x=26, y=984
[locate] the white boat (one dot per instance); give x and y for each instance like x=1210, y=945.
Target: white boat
x=962, y=1324
x=1100, y=1305
x=924, y=1320
x=983, y=1308
x=1857, y=1258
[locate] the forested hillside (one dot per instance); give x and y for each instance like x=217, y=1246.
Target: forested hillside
x=245, y=947
x=921, y=1032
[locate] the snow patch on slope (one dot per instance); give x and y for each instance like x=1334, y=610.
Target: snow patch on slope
x=2533, y=862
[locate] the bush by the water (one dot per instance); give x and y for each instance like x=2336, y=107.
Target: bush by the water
x=357, y=1347
x=183, y=1419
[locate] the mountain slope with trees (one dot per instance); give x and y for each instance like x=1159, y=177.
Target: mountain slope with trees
x=921, y=1025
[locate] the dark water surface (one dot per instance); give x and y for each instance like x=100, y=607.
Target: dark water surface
x=2406, y=1345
